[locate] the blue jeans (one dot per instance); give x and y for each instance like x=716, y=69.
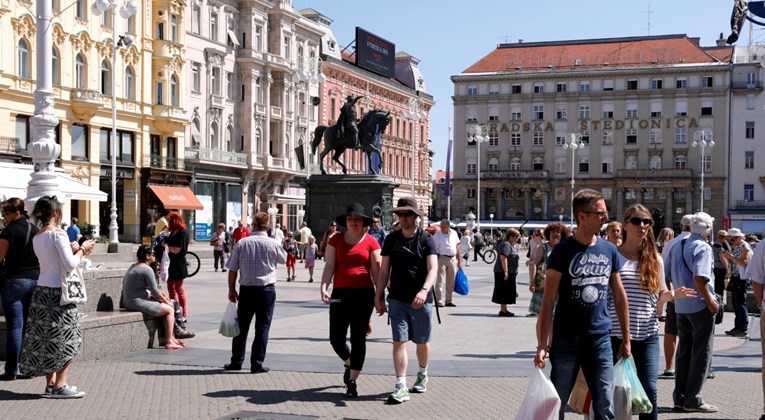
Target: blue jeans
x=593, y=354
x=646, y=355
x=695, y=334
x=257, y=301
x=739, y=309
x=16, y=297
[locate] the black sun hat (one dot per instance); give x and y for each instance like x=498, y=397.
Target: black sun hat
x=356, y=210
x=407, y=204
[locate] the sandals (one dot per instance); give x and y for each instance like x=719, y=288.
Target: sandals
x=177, y=345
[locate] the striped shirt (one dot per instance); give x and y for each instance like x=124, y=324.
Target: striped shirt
x=256, y=257
x=642, y=303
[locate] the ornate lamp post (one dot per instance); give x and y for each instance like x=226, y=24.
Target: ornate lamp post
x=704, y=139
x=414, y=112
x=573, y=142
x=479, y=134
x=310, y=72
x=272, y=215
x=126, y=9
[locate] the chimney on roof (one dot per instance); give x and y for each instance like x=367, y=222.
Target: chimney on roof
x=696, y=40
x=721, y=41
x=520, y=40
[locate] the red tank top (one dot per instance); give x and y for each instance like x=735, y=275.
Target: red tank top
x=353, y=262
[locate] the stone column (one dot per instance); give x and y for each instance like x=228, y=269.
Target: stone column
x=527, y=210
x=689, y=201
x=545, y=199
x=669, y=218
x=500, y=214
x=619, y=202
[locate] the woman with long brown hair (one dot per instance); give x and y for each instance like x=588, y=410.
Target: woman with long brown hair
x=177, y=246
x=642, y=275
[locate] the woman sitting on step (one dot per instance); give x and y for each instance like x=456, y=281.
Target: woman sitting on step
x=140, y=293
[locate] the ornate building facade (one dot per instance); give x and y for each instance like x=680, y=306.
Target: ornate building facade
x=636, y=105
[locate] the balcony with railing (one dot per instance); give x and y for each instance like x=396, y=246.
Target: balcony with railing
x=746, y=206
x=514, y=174
x=654, y=173
x=746, y=86
x=276, y=112
x=214, y=156
x=163, y=162
x=85, y=103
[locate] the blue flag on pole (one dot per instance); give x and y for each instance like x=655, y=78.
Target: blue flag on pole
x=375, y=156
x=447, y=187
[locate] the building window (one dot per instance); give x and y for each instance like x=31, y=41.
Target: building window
x=632, y=110
x=749, y=130
x=196, y=18
x=655, y=162
x=608, y=111
x=79, y=142
x=538, y=164
x=287, y=47
x=493, y=113
x=631, y=136
x=106, y=19
x=632, y=84
x=681, y=83
x=516, y=89
x=125, y=143
x=681, y=108
x=655, y=136
x=538, y=138
x=748, y=192
x=81, y=11
x=706, y=164
x=174, y=28
x=607, y=165
x=472, y=114
x=681, y=135
x=560, y=165
x=680, y=162
x=493, y=164
x=539, y=88
x=560, y=139
x=584, y=112
x=749, y=160
x=471, y=193
x=22, y=131
x=561, y=87
x=515, y=114
x=515, y=164
x=494, y=89
x=160, y=30
x=706, y=108
x=585, y=137
x=472, y=90
x=657, y=83
x=560, y=112
x=259, y=95
x=215, y=81
x=106, y=78
x=160, y=93
x=493, y=139
x=56, y=67
x=584, y=164
x=24, y=65
x=515, y=139
x=79, y=72
x=214, y=26
x=230, y=85
x=608, y=85
x=707, y=81
x=130, y=25
x=538, y=112
x=129, y=84
x=258, y=38
x=630, y=162
x=656, y=109
x=584, y=86
x=471, y=168
x=174, y=94
x=196, y=78
x=607, y=137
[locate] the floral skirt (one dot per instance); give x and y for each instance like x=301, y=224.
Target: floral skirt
x=52, y=337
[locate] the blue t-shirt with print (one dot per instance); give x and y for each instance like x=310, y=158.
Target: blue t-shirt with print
x=583, y=291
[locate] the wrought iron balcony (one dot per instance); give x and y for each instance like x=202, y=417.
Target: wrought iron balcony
x=214, y=156
x=750, y=205
x=757, y=85
x=163, y=162
x=513, y=174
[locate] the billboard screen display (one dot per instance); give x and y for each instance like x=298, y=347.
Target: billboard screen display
x=375, y=54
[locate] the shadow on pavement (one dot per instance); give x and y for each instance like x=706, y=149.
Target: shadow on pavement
x=6, y=395
x=185, y=372
x=266, y=397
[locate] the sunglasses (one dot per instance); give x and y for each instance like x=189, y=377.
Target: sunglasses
x=600, y=214
x=638, y=221
x=405, y=214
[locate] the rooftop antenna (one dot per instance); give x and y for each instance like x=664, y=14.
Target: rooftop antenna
x=649, y=12
x=507, y=38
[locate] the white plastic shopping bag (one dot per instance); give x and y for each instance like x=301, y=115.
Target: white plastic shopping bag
x=622, y=390
x=164, y=265
x=229, y=325
x=541, y=401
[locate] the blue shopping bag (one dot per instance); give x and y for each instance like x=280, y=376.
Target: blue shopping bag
x=461, y=283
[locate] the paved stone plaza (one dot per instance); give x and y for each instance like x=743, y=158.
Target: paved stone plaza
x=479, y=367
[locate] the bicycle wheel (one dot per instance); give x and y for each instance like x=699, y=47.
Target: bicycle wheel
x=490, y=256
x=193, y=263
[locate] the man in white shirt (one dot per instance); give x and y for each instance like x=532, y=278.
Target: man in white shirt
x=447, y=243
x=278, y=233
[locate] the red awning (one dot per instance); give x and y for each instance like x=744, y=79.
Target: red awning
x=181, y=198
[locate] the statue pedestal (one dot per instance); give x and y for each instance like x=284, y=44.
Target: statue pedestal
x=328, y=196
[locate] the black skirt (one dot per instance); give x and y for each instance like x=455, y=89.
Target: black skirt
x=504, y=291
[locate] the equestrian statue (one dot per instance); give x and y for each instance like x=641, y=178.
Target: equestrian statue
x=350, y=134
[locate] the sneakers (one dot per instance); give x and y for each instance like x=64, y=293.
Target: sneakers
x=400, y=395
x=49, y=390
x=704, y=408
x=668, y=373
x=739, y=333
x=66, y=391
x=421, y=384
x=351, y=391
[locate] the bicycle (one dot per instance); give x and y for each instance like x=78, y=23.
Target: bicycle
x=489, y=255
x=193, y=263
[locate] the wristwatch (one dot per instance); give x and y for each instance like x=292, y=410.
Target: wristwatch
x=425, y=288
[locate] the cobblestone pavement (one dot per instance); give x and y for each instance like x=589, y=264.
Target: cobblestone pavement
x=479, y=367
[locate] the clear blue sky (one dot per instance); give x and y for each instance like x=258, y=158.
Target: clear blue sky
x=448, y=36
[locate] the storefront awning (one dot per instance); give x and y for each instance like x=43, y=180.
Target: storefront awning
x=15, y=177
x=180, y=198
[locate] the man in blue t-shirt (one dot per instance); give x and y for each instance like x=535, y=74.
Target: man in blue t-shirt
x=73, y=231
x=580, y=271
x=690, y=264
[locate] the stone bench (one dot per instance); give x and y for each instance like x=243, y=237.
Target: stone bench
x=107, y=329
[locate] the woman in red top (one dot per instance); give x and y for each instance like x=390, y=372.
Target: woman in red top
x=352, y=263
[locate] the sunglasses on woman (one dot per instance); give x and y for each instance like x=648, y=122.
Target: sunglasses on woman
x=638, y=221
x=405, y=214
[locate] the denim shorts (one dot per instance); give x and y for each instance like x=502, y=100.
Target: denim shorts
x=408, y=323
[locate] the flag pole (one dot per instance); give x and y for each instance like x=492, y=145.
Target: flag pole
x=448, y=167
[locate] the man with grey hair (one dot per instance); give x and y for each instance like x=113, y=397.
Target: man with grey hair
x=447, y=248
x=689, y=264
x=670, y=324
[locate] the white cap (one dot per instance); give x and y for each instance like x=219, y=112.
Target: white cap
x=701, y=223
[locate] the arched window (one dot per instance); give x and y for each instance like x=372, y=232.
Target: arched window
x=129, y=83
x=229, y=138
x=493, y=164
x=24, y=65
x=55, y=68
x=174, y=101
x=106, y=78
x=631, y=162
x=79, y=72
x=538, y=163
x=680, y=162
x=655, y=162
x=515, y=164
x=214, y=136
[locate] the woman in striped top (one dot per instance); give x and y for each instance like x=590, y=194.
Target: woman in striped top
x=642, y=275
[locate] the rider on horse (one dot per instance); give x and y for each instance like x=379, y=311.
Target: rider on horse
x=348, y=119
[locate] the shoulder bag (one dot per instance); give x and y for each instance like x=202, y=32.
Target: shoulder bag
x=72, y=285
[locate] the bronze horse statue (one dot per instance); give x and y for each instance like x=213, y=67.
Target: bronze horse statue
x=375, y=121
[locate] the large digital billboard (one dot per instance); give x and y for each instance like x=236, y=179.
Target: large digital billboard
x=375, y=54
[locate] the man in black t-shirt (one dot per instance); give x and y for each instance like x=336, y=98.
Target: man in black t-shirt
x=409, y=262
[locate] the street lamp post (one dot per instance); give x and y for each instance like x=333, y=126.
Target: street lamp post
x=126, y=9
x=703, y=138
x=415, y=112
x=573, y=142
x=311, y=72
x=478, y=134
x=491, y=226
x=272, y=215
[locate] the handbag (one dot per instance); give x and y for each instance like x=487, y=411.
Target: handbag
x=738, y=285
x=73, y=287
